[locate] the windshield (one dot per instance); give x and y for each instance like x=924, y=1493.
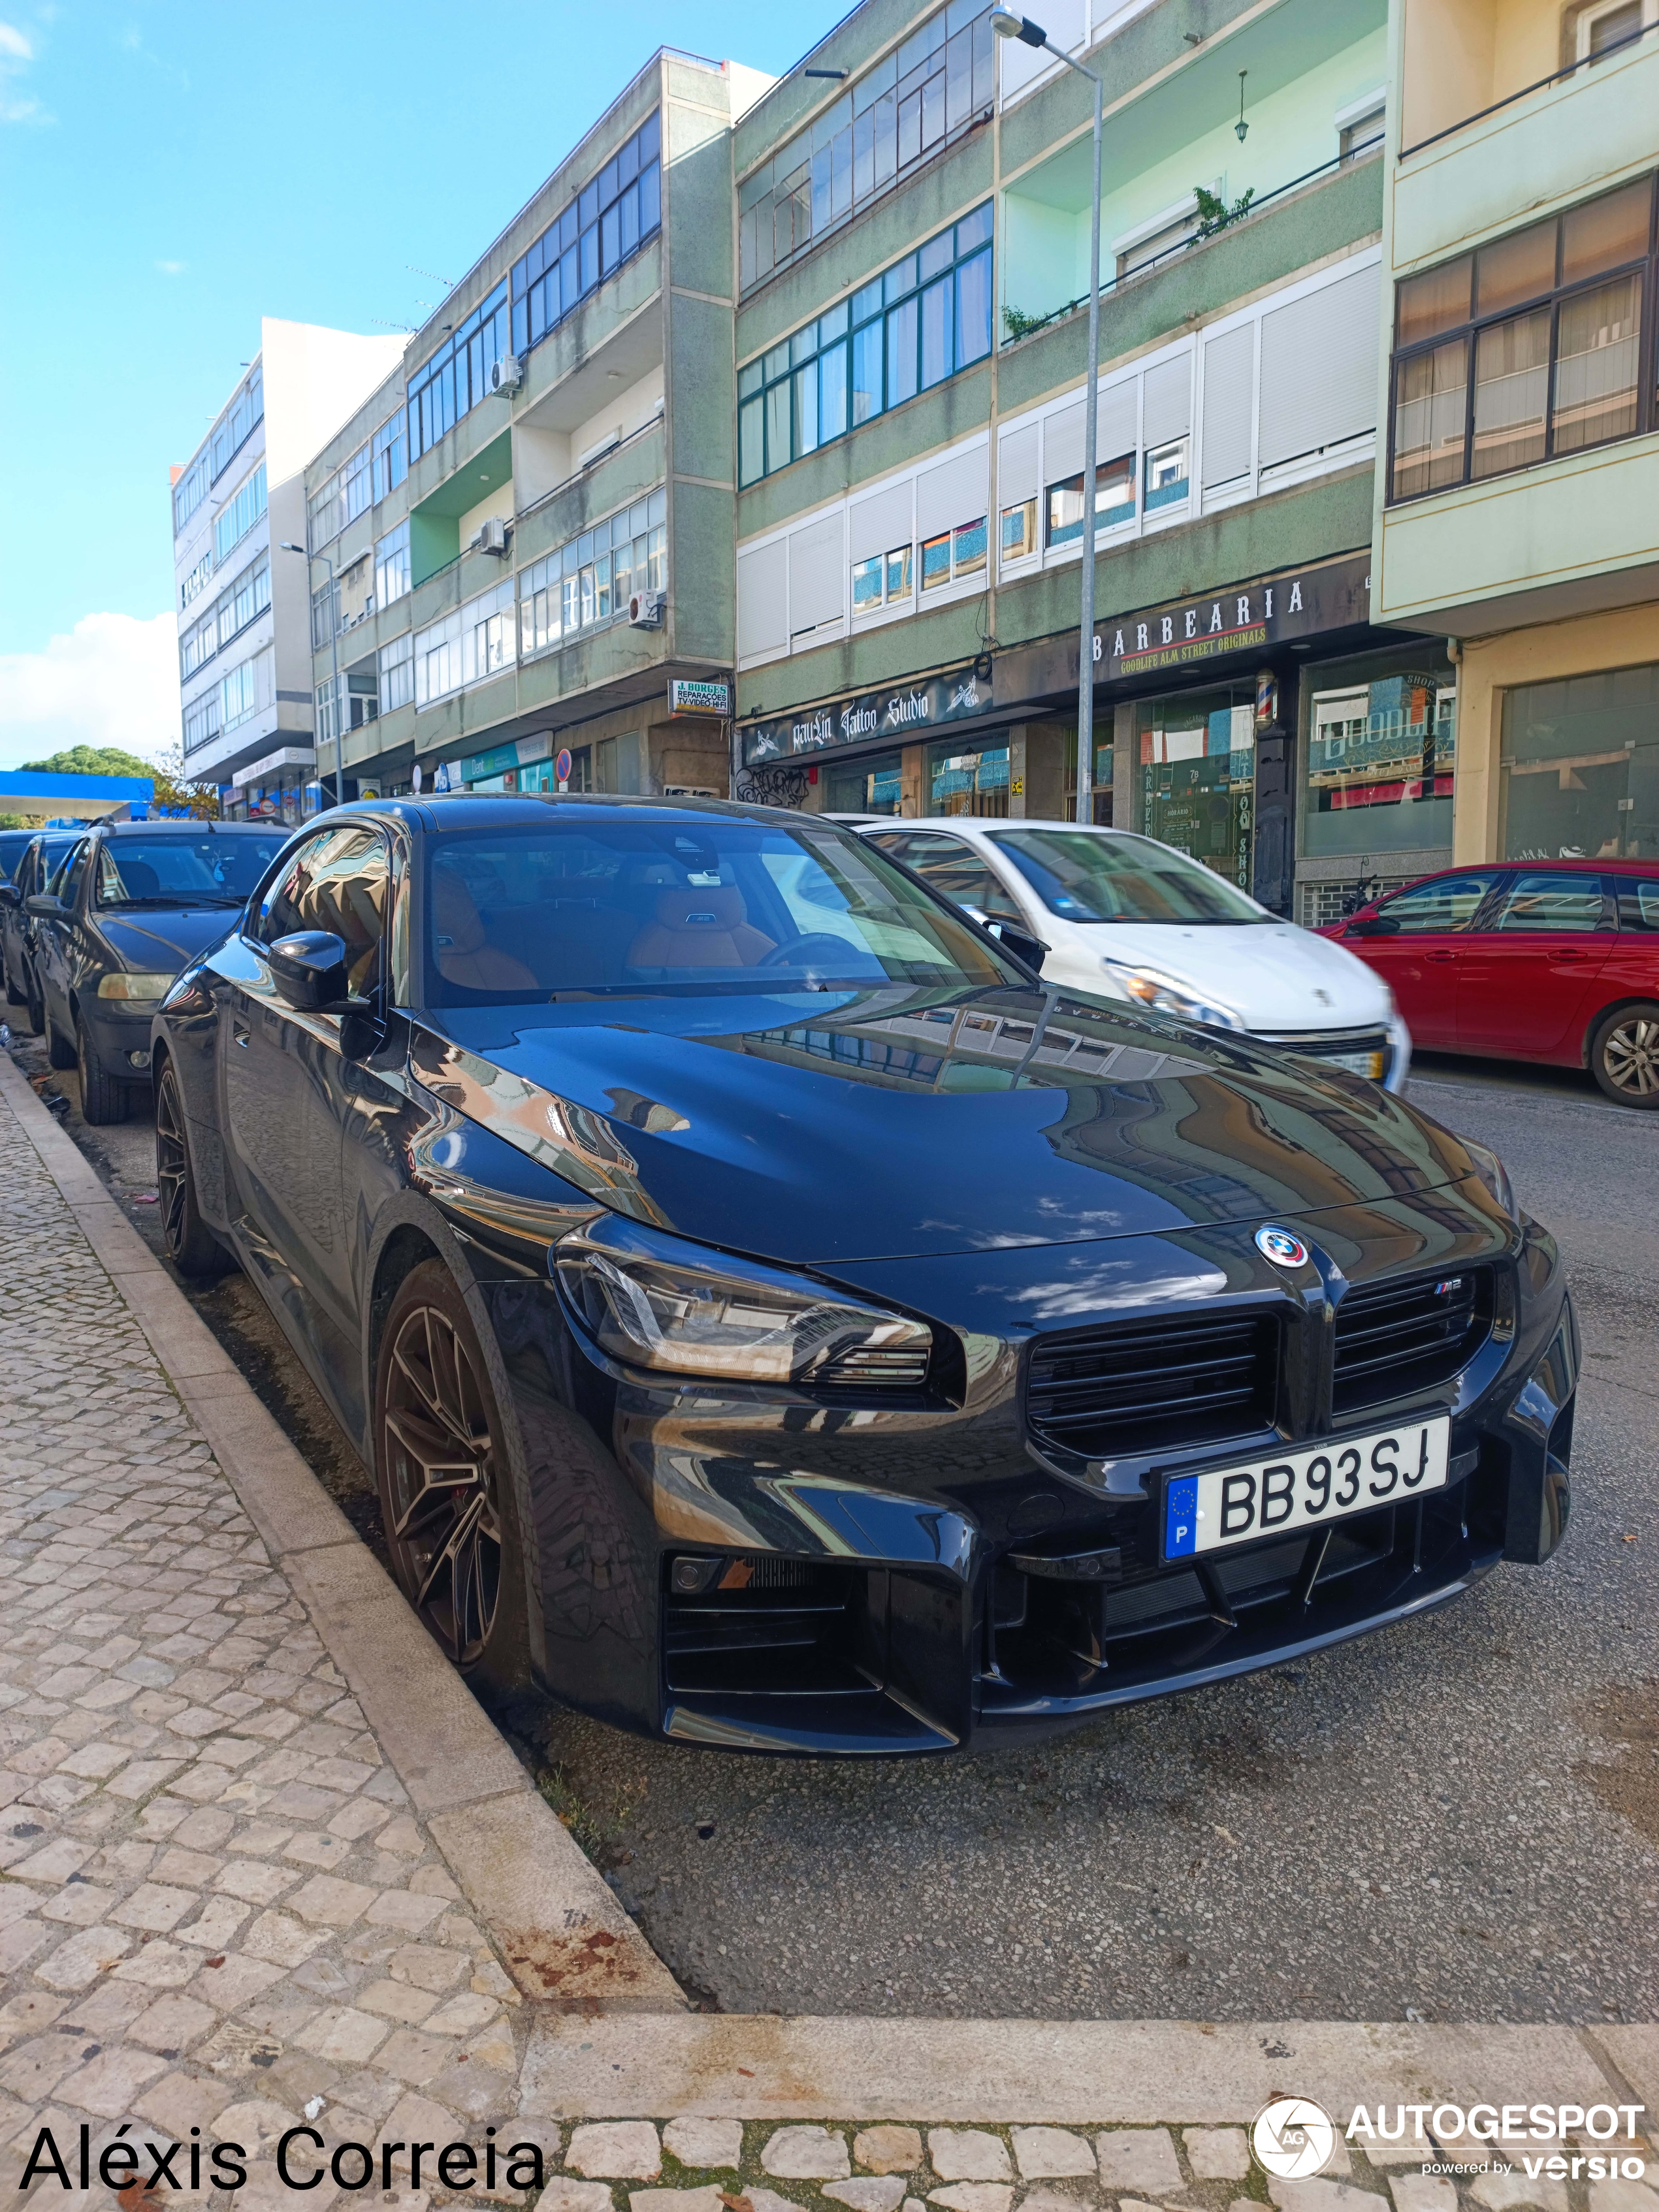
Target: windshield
x=682, y=906
x=214, y=868
x=1085, y=878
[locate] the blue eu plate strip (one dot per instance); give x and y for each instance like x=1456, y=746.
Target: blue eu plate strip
x=1180, y=1518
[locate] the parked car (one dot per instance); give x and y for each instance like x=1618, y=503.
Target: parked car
x=13, y=843
x=776, y=1319
x=1125, y=917
x=128, y=905
x=1554, y=961
x=30, y=873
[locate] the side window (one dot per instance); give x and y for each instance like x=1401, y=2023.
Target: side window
x=67, y=876
x=338, y=881
x=1541, y=900
x=1448, y=902
x=954, y=870
x=1638, y=901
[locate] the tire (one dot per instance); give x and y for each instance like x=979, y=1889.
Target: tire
x=104, y=1096
x=60, y=1053
x=1624, y=1054
x=14, y=996
x=34, y=1013
x=186, y=1239
x=455, y=1546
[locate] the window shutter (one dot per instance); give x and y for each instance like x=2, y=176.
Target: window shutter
x=1229, y=404
x=876, y=525
x=815, y=572
x=1118, y=432
x=957, y=490
x=1062, y=444
x=762, y=603
x=1017, y=465
x=1167, y=409
x=1319, y=367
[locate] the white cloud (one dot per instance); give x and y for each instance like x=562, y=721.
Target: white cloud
x=173, y=268
x=16, y=52
x=13, y=43
x=113, y=680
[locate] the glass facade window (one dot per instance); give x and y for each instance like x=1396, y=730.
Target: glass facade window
x=470, y=644
x=388, y=453
x=247, y=598
x=202, y=722
x=1197, y=775
x=452, y=382
x=927, y=317
x=1579, y=768
x=239, y=515
x=921, y=96
x=236, y=425
x=239, y=693
x=1114, y=502
x=190, y=490
x=1379, y=756
x=1527, y=348
x=197, y=581
x=968, y=777
x=592, y=578
x=395, y=665
x=392, y=569
x=323, y=514
x=613, y=215
x=875, y=786
x=197, y=645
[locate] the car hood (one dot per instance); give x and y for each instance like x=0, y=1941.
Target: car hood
x=164, y=939
x=823, y=1128
x=1274, y=976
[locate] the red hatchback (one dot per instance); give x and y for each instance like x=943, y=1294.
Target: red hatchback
x=1557, y=961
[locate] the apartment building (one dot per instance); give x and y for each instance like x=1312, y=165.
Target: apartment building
x=245, y=681
x=1517, y=515
x=913, y=249
x=521, y=541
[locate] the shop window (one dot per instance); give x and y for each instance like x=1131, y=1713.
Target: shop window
x=1380, y=760
x=968, y=779
x=882, y=581
x=875, y=786
x=1529, y=349
x=1114, y=500
x=1579, y=768
x=1197, y=776
x=1166, y=474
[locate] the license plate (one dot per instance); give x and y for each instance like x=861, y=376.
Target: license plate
x=1296, y=1489
x=1359, y=1063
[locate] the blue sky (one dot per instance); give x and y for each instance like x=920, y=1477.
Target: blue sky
x=172, y=172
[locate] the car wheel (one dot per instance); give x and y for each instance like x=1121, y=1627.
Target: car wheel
x=60, y=1053
x=14, y=996
x=185, y=1237
x=445, y=1486
x=103, y=1096
x=35, y=1014
x=1624, y=1055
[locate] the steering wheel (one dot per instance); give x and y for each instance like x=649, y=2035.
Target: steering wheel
x=803, y=951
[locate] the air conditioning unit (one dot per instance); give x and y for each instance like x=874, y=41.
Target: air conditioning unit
x=645, y=609
x=507, y=375
x=489, y=537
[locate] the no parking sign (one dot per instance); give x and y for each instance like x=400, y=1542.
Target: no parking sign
x=562, y=767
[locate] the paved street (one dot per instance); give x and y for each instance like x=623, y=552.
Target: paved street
x=1457, y=1819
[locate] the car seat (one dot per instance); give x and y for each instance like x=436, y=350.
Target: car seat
x=463, y=952
x=696, y=927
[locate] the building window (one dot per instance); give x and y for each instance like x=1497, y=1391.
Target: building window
x=925, y=93
x=1166, y=475
x=607, y=221
x=1161, y=234
x=323, y=514
x=1359, y=129
x=239, y=693
x=953, y=556
x=190, y=490
x=1529, y=349
x=388, y=453
x=1114, y=502
x=234, y=427
x=1602, y=27
x=1197, y=775
x=470, y=644
x=1379, y=756
x=923, y=320
x=1019, y=527
x=325, y=614
x=452, y=381
x=396, y=664
x=967, y=779
x=591, y=578
x=874, y=786
x=1579, y=774
x=248, y=596
x=882, y=581
x=355, y=495
x=197, y=581
x=391, y=570
x=197, y=646
x=239, y=515
x=202, y=722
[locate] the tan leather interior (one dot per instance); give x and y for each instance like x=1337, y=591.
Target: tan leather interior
x=695, y=928
x=465, y=955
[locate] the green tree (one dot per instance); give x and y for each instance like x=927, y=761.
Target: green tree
x=91, y=760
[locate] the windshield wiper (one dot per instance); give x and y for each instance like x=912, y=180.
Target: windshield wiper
x=174, y=900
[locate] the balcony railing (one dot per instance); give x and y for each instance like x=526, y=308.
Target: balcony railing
x=1556, y=77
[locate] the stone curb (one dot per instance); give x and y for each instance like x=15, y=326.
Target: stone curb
x=566, y=1940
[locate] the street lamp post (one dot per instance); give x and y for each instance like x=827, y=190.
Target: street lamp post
x=334, y=655
x=1007, y=25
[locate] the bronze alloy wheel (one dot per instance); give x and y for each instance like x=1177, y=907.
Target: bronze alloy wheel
x=1625, y=1058
x=442, y=1475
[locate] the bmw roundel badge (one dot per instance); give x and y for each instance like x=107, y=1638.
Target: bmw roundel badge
x=1281, y=1247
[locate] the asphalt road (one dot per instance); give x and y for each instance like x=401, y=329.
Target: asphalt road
x=1457, y=1819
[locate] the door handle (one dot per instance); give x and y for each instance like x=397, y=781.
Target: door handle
x=239, y=1031
x=1441, y=957
x=1566, y=954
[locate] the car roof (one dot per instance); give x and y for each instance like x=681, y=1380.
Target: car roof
x=503, y=809
x=171, y=824
x=1486, y=867
x=981, y=825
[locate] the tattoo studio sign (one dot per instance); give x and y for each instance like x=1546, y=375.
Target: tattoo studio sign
x=1244, y=618
x=898, y=712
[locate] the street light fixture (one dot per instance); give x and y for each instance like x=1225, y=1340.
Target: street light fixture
x=1007, y=25
x=334, y=655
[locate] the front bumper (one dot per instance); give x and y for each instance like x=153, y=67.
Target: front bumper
x=119, y=1029
x=747, y=1572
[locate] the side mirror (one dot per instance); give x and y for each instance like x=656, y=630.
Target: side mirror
x=10, y=895
x=1372, y=925
x=1024, y=946
x=41, y=903
x=309, y=969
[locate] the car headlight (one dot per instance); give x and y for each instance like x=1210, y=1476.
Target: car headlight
x=132, y=985
x=1495, y=1176
x=1164, y=996
x=657, y=1302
